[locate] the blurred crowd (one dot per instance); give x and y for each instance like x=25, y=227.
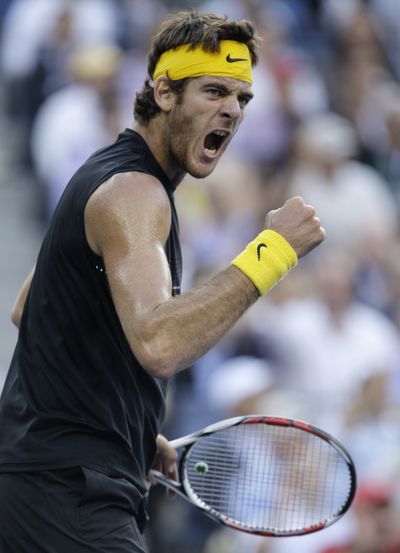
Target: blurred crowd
x=324, y=345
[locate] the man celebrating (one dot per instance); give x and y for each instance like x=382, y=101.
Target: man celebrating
x=102, y=324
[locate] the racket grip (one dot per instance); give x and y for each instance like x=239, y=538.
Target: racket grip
x=170, y=484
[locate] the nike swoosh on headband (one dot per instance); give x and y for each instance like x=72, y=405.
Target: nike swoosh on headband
x=233, y=60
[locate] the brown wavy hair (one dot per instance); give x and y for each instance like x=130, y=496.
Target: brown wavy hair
x=194, y=28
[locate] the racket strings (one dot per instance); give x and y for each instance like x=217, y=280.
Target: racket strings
x=265, y=477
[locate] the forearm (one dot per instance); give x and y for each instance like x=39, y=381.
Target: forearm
x=184, y=328
x=168, y=334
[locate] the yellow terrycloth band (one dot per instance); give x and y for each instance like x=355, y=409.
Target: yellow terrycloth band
x=266, y=260
x=233, y=60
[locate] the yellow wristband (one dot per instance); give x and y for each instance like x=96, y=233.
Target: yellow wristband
x=266, y=260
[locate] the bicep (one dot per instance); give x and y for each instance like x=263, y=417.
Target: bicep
x=139, y=278
x=127, y=223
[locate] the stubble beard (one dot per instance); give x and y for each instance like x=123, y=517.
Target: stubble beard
x=181, y=137
x=178, y=137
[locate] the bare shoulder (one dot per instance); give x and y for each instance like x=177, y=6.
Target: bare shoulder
x=124, y=205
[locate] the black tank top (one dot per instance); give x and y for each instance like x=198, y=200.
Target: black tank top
x=75, y=395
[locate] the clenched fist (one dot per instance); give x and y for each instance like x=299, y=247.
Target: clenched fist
x=296, y=221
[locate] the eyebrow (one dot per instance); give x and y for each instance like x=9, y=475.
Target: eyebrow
x=223, y=88
x=216, y=84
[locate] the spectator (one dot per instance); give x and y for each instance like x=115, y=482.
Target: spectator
x=331, y=346
x=351, y=197
x=76, y=120
x=386, y=149
x=37, y=36
x=376, y=529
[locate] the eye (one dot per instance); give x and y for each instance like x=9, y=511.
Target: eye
x=243, y=101
x=214, y=92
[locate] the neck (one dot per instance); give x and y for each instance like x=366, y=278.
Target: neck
x=153, y=135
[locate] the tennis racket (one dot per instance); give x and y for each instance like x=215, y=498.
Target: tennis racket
x=265, y=475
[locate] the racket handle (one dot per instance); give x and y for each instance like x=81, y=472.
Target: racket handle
x=170, y=484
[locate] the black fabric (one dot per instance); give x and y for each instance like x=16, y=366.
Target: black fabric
x=67, y=511
x=75, y=395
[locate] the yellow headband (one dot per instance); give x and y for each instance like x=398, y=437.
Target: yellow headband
x=233, y=60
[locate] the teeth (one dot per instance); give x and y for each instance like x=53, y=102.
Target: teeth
x=220, y=133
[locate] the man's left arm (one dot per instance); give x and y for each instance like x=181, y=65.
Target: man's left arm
x=165, y=461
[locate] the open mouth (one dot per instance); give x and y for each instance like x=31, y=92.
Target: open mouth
x=213, y=142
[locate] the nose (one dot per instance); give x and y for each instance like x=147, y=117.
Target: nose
x=231, y=108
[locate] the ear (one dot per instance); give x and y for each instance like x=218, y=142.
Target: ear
x=163, y=95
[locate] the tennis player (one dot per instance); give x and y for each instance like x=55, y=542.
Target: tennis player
x=102, y=324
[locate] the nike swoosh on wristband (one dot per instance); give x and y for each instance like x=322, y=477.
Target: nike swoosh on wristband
x=233, y=60
x=259, y=248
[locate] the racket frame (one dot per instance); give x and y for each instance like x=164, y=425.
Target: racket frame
x=183, y=488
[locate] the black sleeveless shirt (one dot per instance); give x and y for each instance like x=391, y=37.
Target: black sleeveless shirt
x=75, y=395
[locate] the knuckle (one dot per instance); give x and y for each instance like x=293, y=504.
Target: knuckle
x=297, y=201
x=309, y=210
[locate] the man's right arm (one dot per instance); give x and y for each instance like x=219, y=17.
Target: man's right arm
x=19, y=304
x=127, y=222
